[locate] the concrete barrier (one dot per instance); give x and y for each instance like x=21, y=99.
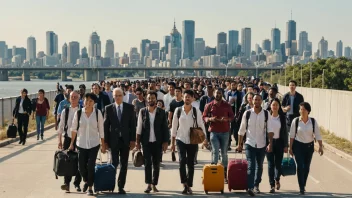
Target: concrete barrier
x=331, y=108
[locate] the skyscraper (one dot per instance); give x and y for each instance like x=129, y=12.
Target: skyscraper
x=84, y=53
x=291, y=33
x=109, y=49
x=188, y=32
x=323, y=48
x=258, y=49
x=233, y=43
x=221, y=40
x=339, y=47
x=246, y=41
x=31, y=49
x=94, y=47
x=51, y=43
x=266, y=45
x=73, y=52
x=302, y=42
x=64, y=53
x=19, y=51
x=175, y=46
x=167, y=40
x=144, y=43
x=3, y=49
x=275, y=39
x=347, y=52
x=199, y=48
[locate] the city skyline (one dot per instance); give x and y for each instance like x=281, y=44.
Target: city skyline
x=79, y=27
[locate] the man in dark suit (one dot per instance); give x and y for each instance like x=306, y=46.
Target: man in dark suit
x=153, y=133
x=120, y=134
x=103, y=99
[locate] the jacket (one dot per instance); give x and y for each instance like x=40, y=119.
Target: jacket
x=27, y=106
x=298, y=100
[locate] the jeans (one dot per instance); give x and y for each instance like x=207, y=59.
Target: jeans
x=186, y=154
x=86, y=163
x=152, y=155
x=219, y=141
x=40, y=120
x=274, y=161
x=303, y=155
x=255, y=158
x=22, y=120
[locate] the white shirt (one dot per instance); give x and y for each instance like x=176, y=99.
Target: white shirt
x=71, y=113
x=256, y=133
x=126, y=97
x=276, y=124
x=152, y=137
x=160, y=95
x=185, y=123
x=305, y=131
x=167, y=100
x=90, y=132
x=196, y=104
x=20, y=109
x=117, y=108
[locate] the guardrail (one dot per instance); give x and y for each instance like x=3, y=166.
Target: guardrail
x=7, y=105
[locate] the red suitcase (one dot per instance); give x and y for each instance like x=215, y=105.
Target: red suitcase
x=237, y=174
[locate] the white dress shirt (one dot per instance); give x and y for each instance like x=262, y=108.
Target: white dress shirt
x=117, y=108
x=167, y=100
x=90, y=132
x=71, y=113
x=126, y=97
x=184, y=124
x=20, y=109
x=256, y=133
x=305, y=131
x=152, y=137
x=276, y=124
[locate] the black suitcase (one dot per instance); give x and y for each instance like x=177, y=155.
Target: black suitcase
x=12, y=131
x=65, y=163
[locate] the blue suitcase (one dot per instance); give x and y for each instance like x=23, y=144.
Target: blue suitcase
x=105, y=176
x=288, y=166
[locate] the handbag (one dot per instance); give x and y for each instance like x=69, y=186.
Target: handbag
x=173, y=156
x=138, y=158
x=197, y=135
x=288, y=166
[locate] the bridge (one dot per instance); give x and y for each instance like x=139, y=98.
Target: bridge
x=97, y=73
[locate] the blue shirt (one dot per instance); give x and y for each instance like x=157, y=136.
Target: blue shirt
x=63, y=104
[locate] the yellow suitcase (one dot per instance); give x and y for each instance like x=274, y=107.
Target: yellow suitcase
x=213, y=178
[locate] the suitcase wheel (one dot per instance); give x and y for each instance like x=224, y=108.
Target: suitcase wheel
x=206, y=192
x=222, y=191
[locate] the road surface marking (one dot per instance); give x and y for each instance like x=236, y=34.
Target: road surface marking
x=338, y=165
x=315, y=180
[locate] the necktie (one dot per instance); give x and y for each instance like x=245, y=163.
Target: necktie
x=119, y=114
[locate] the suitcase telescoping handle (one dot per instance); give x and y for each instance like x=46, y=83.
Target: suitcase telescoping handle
x=108, y=152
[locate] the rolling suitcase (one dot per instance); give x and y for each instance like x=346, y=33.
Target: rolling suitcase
x=12, y=131
x=288, y=166
x=213, y=178
x=65, y=163
x=105, y=175
x=237, y=174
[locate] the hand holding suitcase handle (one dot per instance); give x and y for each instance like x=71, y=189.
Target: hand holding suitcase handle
x=109, y=157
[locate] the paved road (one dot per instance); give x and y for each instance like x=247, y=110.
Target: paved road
x=26, y=171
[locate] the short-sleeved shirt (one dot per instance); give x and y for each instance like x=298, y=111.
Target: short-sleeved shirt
x=174, y=104
x=58, y=98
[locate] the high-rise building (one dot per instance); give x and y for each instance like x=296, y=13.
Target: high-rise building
x=109, y=49
x=19, y=51
x=94, y=45
x=199, y=48
x=221, y=40
x=134, y=56
x=233, y=43
x=258, y=49
x=209, y=51
x=266, y=45
x=3, y=49
x=275, y=39
x=309, y=49
x=294, y=47
x=291, y=33
x=323, y=48
x=302, y=42
x=175, y=46
x=84, y=53
x=167, y=40
x=64, y=53
x=51, y=43
x=347, y=52
x=31, y=49
x=283, y=52
x=331, y=54
x=144, y=43
x=73, y=52
x=188, y=32
x=246, y=41
x=339, y=47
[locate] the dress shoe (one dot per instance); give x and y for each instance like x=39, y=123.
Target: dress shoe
x=149, y=188
x=85, y=187
x=122, y=191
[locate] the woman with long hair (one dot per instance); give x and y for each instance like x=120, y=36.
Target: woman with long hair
x=22, y=111
x=280, y=144
x=41, y=108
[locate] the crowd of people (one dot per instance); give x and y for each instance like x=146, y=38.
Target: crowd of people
x=156, y=114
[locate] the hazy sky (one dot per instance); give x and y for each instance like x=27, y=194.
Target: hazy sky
x=127, y=22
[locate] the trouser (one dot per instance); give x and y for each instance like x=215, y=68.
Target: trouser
x=86, y=163
x=120, y=155
x=152, y=155
x=186, y=154
x=67, y=179
x=255, y=158
x=22, y=121
x=303, y=153
x=274, y=161
x=40, y=120
x=219, y=141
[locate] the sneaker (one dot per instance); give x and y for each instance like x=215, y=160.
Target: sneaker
x=42, y=137
x=90, y=193
x=272, y=190
x=250, y=192
x=256, y=190
x=85, y=187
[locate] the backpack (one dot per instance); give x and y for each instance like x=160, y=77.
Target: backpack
x=248, y=115
x=79, y=113
x=179, y=115
x=313, y=124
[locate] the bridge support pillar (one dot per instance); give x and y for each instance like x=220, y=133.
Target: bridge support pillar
x=26, y=76
x=63, y=75
x=4, y=75
x=146, y=74
x=90, y=75
x=101, y=75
